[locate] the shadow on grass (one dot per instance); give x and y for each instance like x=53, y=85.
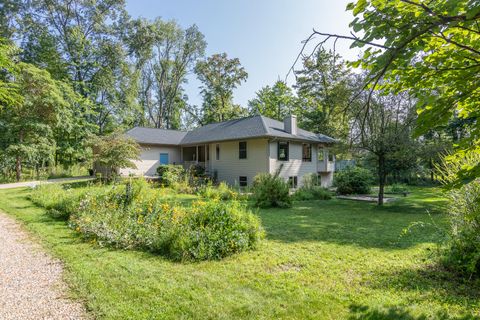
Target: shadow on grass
x=397, y=313
x=352, y=223
x=433, y=281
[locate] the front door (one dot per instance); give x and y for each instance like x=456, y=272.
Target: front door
x=163, y=158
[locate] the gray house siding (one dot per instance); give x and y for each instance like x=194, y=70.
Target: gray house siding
x=229, y=167
x=150, y=159
x=295, y=166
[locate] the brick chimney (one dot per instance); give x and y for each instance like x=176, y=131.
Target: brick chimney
x=290, y=124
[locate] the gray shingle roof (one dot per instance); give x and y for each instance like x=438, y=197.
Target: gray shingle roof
x=275, y=128
x=156, y=136
x=244, y=128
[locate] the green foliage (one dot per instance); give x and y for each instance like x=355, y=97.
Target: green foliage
x=9, y=91
x=81, y=45
x=216, y=229
x=220, y=76
x=353, y=180
x=221, y=192
x=134, y=215
x=398, y=188
x=171, y=174
x=60, y=200
x=463, y=250
x=359, y=244
x=270, y=191
x=114, y=151
x=312, y=193
x=28, y=127
x=163, y=48
x=431, y=50
x=325, y=88
x=274, y=102
x=207, y=230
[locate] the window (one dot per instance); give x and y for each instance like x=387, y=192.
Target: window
x=292, y=181
x=243, y=181
x=217, y=152
x=307, y=152
x=283, y=151
x=242, y=150
x=320, y=154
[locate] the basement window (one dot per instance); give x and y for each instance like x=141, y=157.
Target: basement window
x=293, y=182
x=243, y=181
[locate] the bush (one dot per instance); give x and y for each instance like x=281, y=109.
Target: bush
x=353, y=180
x=397, y=188
x=312, y=193
x=310, y=180
x=171, y=174
x=216, y=229
x=270, y=191
x=221, y=192
x=59, y=201
x=134, y=215
x=462, y=251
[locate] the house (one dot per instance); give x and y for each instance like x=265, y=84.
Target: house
x=236, y=151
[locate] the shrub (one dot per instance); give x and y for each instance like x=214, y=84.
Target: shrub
x=220, y=192
x=270, y=191
x=310, y=180
x=171, y=174
x=134, y=215
x=216, y=229
x=59, y=202
x=397, y=188
x=312, y=193
x=353, y=180
x=462, y=251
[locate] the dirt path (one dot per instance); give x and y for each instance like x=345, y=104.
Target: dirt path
x=35, y=183
x=31, y=285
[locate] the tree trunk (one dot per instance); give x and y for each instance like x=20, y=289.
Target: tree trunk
x=18, y=160
x=18, y=167
x=381, y=179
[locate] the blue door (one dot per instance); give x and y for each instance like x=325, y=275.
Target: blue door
x=163, y=158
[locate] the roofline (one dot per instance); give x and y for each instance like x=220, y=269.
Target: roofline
x=158, y=129
x=267, y=136
x=158, y=144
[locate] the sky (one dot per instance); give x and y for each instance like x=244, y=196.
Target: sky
x=266, y=35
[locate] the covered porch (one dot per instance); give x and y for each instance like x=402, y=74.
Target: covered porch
x=196, y=155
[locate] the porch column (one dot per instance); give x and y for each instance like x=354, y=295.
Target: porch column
x=196, y=153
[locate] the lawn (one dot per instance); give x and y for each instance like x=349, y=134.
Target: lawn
x=336, y=259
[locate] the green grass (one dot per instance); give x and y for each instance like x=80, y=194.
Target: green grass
x=336, y=259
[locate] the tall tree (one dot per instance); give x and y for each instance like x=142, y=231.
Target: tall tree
x=385, y=131
x=9, y=91
x=164, y=55
x=275, y=102
x=220, y=76
x=79, y=41
x=430, y=48
x=27, y=128
x=324, y=86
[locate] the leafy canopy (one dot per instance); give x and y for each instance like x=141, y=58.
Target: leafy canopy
x=431, y=49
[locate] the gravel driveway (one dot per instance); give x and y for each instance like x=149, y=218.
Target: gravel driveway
x=31, y=285
x=36, y=182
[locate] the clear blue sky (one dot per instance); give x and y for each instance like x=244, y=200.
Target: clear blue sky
x=265, y=35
